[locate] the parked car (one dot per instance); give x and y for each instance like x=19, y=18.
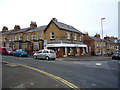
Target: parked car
x=20, y=52
x=6, y=51
x=116, y=56
x=45, y=54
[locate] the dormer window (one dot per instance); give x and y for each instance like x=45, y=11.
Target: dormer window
x=52, y=35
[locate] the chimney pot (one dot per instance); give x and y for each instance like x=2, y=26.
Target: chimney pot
x=33, y=25
x=17, y=27
x=4, y=29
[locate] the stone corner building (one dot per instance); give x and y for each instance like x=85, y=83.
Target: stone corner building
x=64, y=39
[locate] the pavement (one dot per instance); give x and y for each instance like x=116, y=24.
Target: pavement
x=21, y=77
x=85, y=58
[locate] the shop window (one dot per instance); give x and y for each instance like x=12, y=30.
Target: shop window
x=70, y=51
x=52, y=35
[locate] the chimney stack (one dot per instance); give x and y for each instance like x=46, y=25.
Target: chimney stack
x=54, y=19
x=17, y=27
x=33, y=25
x=97, y=35
x=4, y=29
x=107, y=38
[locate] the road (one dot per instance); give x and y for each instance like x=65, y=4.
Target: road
x=83, y=74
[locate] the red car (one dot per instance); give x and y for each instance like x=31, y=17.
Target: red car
x=6, y=51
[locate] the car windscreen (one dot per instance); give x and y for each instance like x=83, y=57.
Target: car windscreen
x=9, y=49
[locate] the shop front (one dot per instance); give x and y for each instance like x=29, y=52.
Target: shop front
x=64, y=49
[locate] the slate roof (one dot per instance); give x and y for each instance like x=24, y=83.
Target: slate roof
x=58, y=24
x=97, y=39
x=15, y=31
x=37, y=28
x=8, y=32
x=66, y=27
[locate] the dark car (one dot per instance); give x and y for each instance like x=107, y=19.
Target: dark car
x=20, y=52
x=116, y=56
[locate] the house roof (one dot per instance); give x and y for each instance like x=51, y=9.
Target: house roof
x=97, y=39
x=37, y=28
x=63, y=26
x=15, y=31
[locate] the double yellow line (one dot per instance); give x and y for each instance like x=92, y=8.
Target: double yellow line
x=48, y=74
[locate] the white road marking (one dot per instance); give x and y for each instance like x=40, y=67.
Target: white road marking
x=98, y=64
x=20, y=86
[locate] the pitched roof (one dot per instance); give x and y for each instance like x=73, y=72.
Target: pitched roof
x=15, y=31
x=97, y=39
x=64, y=26
x=37, y=28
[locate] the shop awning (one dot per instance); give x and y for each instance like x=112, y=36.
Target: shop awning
x=66, y=45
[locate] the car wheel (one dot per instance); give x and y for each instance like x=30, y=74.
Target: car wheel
x=35, y=57
x=47, y=58
x=53, y=58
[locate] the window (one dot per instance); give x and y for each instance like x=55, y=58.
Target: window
x=40, y=35
x=45, y=51
x=5, y=38
x=52, y=35
x=80, y=38
x=97, y=44
x=74, y=37
x=52, y=51
x=31, y=36
x=19, y=37
x=40, y=51
x=34, y=36
x=27, y=37
x=68, y=35
x=15, y=37
x=12, y=38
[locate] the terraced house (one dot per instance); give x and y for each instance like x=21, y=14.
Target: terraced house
x=96, y=45
x=64, y=39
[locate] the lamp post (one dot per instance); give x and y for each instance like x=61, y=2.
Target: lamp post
x=102, y=33
x=102, y=26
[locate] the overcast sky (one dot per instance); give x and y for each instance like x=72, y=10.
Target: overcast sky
x=85, y=15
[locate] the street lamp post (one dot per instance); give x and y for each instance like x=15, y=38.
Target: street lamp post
x=102, y=33
x=102, y=26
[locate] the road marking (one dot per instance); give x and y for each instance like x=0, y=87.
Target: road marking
x=98, y=64
x=48, y=74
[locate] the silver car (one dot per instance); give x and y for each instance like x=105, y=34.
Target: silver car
x=45, y=54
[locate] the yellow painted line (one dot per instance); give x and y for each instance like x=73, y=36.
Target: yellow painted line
x=50, y=75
